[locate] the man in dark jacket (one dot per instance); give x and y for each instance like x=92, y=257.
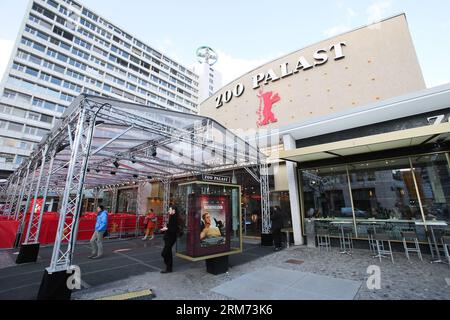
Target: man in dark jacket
x=170, y=237
x=277, y=225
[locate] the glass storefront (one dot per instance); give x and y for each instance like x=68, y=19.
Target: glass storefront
x=384, y=194
x=127, y=200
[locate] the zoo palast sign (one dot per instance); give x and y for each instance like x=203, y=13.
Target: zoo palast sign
x=320, y=57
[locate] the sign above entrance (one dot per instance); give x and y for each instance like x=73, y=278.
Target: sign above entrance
x=319, y=57
x=214, y=178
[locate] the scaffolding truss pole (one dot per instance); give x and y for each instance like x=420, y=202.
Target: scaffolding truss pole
x=115, y=192
x=12, y=191
x=36, y=194
x=73, y=193
x=24, y=182
x=166, y=200
x=35, y=219
x=139, y=199
x=35, y=237
x=265, y=199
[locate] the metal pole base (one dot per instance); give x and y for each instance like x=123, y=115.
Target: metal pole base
x=28, y=253
x=267, y=240
x=217, y=265
x=54, y=286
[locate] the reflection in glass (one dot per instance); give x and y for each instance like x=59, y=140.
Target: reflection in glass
x=127, y=201
x=384, y=190
x=326, y=193
x=433, y=181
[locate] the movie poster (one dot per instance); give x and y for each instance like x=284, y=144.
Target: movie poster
x=209, y=224
x=212, y=222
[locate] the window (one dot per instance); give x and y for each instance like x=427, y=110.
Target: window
x=56, y=81
x=24, y=145
x=38, y=102
x=62, y=57
x=46, y=119
x=18, y=67
x=35, y=60
x=82, y=43
x=5, y=109
x=6, y=157
x=9, y=94
x=63, y=33
x=42, y=35
x=33, y=116
x=32, y=72
x=43, y=11
x=59, y=69
x=13, y=126
x=39, y=47
x=19, y=112
x=52, y=53
x=131, y=86
x=52, y=3
x=45, y=76
x=49, y=105
x=23, y=98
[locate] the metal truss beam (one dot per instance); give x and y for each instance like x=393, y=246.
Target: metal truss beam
x=265, y=199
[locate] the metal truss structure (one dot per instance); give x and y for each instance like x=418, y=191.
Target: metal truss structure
x=263, y=180
x=101, y=142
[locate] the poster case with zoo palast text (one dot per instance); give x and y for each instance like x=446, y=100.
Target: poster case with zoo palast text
x=211, y=221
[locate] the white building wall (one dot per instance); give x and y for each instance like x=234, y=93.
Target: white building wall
x=64, y=49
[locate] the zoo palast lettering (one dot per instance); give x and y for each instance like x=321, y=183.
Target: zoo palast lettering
x=320, y=57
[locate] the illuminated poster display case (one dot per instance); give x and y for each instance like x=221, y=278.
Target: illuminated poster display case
x=211, y=221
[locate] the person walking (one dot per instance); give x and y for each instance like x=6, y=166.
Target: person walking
x=170, y=237
x=277, y=225
x=150, y=222
x=101, y=226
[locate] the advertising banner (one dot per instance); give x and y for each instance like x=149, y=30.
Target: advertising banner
x=210, y=223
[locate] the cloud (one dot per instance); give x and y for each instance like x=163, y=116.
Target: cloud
x=6, y=47
x=232, y=68
x=349, y=14
x=376, y=11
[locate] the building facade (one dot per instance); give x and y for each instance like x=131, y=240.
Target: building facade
x=350, y=131
x=210, y=80
x=64, y=49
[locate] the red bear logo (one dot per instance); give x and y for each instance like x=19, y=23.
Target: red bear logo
x=266, y=102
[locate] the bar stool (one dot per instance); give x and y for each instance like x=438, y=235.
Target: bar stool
x=411, y=236
x=434, y=237
x=372, y=242
x=446, y=243
x=323, y=239
x=346, y=241
x=380, y=239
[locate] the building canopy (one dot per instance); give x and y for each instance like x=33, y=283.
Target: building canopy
x=134, y=142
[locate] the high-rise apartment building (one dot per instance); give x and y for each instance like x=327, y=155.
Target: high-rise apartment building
x=64, y=49
x=210, y=80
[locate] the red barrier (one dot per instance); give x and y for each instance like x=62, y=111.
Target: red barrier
x=8, y=231
x=119, y=225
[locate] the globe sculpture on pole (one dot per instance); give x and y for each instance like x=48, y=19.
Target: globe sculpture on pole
x=206, y=55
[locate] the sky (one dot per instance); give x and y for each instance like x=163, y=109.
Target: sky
x=249, y=33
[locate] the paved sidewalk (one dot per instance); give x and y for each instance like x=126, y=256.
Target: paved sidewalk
x=123, y=260
x=403, y=280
